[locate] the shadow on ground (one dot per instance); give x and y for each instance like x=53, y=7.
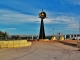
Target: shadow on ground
x=70, y=44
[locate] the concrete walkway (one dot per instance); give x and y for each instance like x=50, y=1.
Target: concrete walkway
x=41, y=51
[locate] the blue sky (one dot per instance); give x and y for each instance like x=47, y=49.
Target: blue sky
x=22, y=16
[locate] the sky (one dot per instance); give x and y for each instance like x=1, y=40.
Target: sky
x=22, y=16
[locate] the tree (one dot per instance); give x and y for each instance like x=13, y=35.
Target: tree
x=1, y=35
x=5, y=36
x=18, y=37
x=13, y=37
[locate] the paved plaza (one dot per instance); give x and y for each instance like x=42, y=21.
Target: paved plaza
x=42, y=51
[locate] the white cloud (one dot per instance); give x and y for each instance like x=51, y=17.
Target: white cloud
x=12, y=17
x=74, y=2
x=7, y=29
x=10, y=28
x=64, y=18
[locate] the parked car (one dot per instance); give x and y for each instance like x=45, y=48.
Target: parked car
x=76, y=38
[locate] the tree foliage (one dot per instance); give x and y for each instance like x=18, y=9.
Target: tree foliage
x=3, y=35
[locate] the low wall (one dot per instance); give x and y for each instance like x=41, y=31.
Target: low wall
x=14, y=43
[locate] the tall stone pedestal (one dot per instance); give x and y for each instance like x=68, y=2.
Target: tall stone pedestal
x=42, y=31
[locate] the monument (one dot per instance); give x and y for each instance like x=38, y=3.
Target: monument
x=42, y=15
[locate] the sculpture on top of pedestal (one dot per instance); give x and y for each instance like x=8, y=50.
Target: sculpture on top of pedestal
x=42, y=15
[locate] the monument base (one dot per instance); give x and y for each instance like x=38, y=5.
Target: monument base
x=44, y=40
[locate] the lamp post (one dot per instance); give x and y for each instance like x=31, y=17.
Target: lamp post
x=53, y=31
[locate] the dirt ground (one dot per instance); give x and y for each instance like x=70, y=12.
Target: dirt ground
x=40, y=50
x=71, y=41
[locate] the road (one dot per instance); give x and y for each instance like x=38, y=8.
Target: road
x=41, y=51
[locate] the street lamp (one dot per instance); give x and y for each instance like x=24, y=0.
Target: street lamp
x=53, y=31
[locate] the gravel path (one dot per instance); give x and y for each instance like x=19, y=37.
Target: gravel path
x=41, y=51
